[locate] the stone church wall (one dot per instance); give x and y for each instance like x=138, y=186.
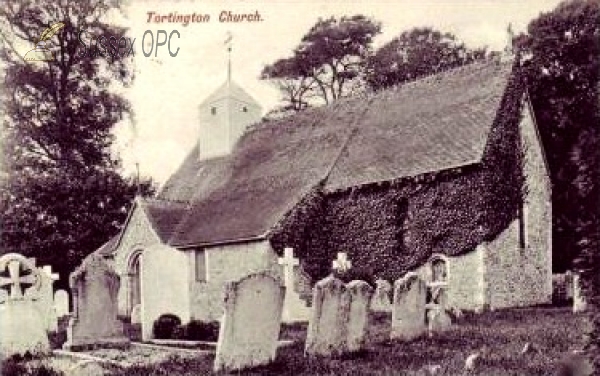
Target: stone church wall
x=137, y=237
x=226, y=263
x=164, y=286
x=523, y=276
x=466, y=288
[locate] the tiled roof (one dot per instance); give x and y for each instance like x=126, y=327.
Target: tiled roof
x=163, y=215
x=437, y=123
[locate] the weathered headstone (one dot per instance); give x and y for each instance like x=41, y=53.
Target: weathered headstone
x=358, y=319
x=327, y=329
x=408, y=311
x=294, y=308
x=94, y=322
x=381, y=298
x=61, y=303
x=579, y=303
x=22, y=325
x=438, y=318
x=46, y=298
x=251, y=322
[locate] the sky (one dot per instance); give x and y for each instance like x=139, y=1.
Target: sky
x=167, y=90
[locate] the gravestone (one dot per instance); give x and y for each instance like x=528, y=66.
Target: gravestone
x=61, y=303
x=294, y=308
x=251, y=322
x=46, y=299
x=327, y=329
x=438, y=319
x=358, y=319
x=94, y=322
x=408, y=311
x=22, y=324
x=381, y=298
x=579, y=303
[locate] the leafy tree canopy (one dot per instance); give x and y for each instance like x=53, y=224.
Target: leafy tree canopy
x=62, y=194
x=562, y=50
x=415, y=53
x=328, y=63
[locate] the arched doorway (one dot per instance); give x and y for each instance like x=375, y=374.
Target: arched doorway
x=134, y=287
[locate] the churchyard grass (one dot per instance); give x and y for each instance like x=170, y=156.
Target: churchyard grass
x=500, y=336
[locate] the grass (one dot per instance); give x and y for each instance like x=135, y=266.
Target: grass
x=499, y=336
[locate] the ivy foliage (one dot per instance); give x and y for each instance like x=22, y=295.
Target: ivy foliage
x=392, y=227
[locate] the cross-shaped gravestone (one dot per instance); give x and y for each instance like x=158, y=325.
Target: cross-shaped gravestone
x=341, y=264
x=289, y=262
x=16, y=281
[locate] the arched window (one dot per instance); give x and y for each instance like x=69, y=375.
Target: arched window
x=439, y=269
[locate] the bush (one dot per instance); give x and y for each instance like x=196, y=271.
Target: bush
x=197, y=330
x=16, y=366
x=178, y=332
x=165, y=325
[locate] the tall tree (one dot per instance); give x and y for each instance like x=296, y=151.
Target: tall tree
x=328, y=63
x=564, y=68
x=564, y=73
x=62, y=195
x=418, y=52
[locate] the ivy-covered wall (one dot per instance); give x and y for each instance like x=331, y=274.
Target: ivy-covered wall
x=391, y=227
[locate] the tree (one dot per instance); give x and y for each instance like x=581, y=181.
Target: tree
x=564, y=72
x=415, y=53
x=564, y=67
x=328, y=63
x=62, y=195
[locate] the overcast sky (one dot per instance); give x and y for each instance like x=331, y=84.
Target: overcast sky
x=167, y=90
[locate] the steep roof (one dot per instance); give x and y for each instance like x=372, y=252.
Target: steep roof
x=163, y=215
x=436, y=123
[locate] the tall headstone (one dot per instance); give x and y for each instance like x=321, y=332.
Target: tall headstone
x=61, y=303
x=408, y=311
x=46, y=298
x=251, y=322
x=94, y=322
x=579, y=303
x=22, y=325
x=358, y=319
x=327, y=329
x=294, y=308
x=381, y=298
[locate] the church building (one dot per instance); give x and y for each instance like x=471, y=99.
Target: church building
x=445, y=175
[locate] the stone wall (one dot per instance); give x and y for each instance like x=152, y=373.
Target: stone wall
x=226, y=263
x=538, y=202
x=523, y=276
x=138, y=237
x=465, y=280
x=164, y=286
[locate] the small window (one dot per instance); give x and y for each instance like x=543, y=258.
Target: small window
x=245, y=109
x=201, y=271
x=213, y=110
x=522, y=227
x=439, y=270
